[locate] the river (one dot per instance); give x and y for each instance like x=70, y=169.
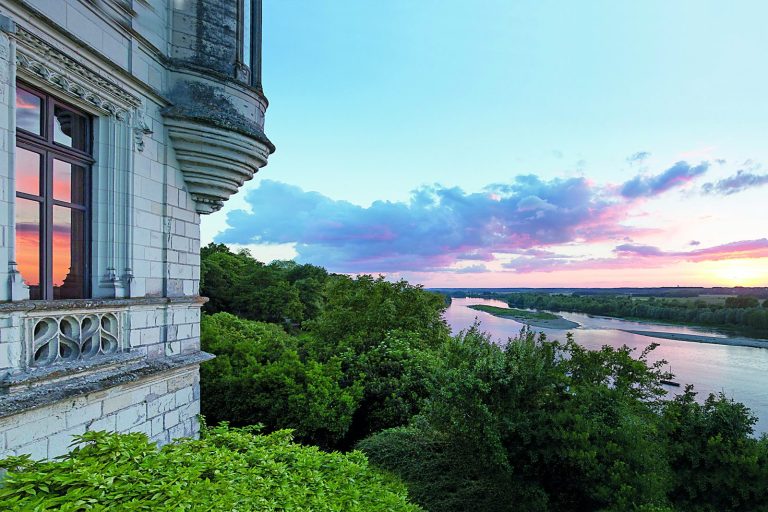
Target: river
x=739, y=372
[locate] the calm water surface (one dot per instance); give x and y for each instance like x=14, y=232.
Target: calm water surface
x=740, y=372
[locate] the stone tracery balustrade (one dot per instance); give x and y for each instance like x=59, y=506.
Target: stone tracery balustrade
x=72, y=337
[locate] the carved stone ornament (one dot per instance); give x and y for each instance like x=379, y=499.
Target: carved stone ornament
x=54, y=67
x=73, y=336
x=140, y=130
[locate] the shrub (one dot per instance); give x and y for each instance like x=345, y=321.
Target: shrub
x=259, y=377
x=226, y=470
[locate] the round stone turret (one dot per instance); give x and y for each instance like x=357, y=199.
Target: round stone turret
x=216, y=119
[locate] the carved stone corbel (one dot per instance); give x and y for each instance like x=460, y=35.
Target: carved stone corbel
x=140, y=130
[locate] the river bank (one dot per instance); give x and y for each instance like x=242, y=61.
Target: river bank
x=544, y=320
x=697, y=338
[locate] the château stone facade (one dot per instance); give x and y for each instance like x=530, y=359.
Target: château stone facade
x=121, y=123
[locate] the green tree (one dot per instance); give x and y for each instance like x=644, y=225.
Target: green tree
x=282, y=292
x=741, y=301
x=365, y=363
x=716, y=463
x=259, y=377
x=397, y=376
x=360, y=312
x=220, y=271
x=537, y=424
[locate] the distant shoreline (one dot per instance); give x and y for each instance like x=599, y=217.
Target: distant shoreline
x=547, y=323
x=698, y=338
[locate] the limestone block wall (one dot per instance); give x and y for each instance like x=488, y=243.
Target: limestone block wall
x=164, y=330
x=165, y=240
x=177, y=127
x=164, y=407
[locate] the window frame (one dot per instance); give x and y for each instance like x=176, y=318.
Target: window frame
x=254, y=64
x=50, y=150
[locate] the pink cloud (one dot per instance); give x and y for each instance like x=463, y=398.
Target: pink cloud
x=441, y=227
x=631, y=256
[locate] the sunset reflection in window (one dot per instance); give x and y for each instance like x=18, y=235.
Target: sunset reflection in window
x=28, y=244
x=27, y=171
x=51, y=178
x=28, y=111
x=68, y=248
x=68, y=185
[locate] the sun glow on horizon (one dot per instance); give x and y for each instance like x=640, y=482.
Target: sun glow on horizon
x=739, y=272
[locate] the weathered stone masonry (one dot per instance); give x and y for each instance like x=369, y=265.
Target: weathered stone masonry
x=172, y=91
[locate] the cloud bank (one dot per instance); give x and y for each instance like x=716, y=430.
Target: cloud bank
x=437, y=227
x=440, y=227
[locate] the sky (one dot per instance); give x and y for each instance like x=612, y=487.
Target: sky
x=526, y=143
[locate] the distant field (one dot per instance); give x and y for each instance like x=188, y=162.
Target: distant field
x=714, y=300
x=709, y=299
x=520, y=313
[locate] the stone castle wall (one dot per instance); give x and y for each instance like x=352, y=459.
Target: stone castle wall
x=164, y=407
x=177, y=128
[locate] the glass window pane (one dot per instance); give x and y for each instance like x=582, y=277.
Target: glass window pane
x=68, y=253
x=28, y=111
x=27, y=171
x=28, y=244
x=247, y=31
x=68, y=182
x=69, y=128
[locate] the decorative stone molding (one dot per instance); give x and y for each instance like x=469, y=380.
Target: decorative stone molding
x=140, y=130
x=243, y=72
x=215, y=162
x=70, y=336
x=108, y=304
x=55, y=68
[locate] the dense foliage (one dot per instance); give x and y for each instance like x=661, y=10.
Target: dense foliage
x=541, y=426
x=258, y=376
x=468, y=424
x=282, y=291
x=744, y=313
x=226, y=470
x=716, y=464
x=359, y=363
